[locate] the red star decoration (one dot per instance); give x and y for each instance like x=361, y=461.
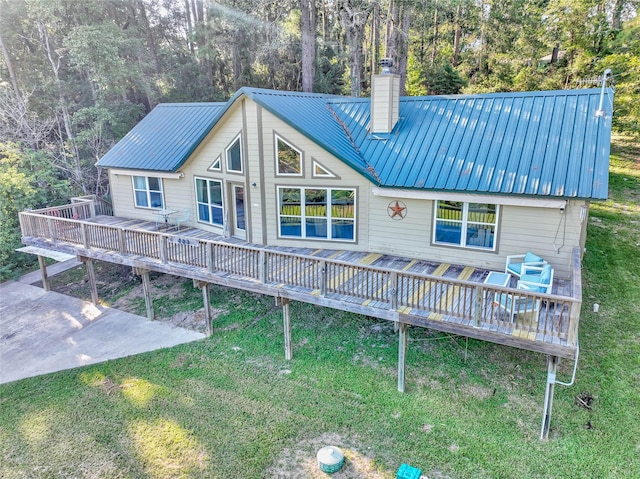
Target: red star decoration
x=397, y=210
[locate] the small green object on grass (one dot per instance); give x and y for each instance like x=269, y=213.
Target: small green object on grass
x=408, y=472
x=330, y=459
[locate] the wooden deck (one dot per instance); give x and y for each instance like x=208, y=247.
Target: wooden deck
x=444, y=297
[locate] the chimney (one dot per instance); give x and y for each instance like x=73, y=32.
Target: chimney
x=385, y=99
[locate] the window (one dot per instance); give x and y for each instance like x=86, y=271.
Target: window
x=317, y=213
x=215, y=166
x=320, y=171
x=147, y=192
x=234, y=156
x=470, y=225
x=209, y=200
x=289, y=158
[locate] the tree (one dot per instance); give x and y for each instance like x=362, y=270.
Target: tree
x=354, y=15
x=28, y=179
x=308, y=26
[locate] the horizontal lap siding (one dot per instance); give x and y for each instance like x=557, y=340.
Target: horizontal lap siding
x=348, y=178
x=212, y=147
x=543, y=231
x=520, y=229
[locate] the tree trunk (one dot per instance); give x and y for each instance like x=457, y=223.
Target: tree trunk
x=616, y=17
x=66, y=117
x=308, y=27
x=12, y=76
x=456, y=39
x=354, y=16
x=375, y=39
x=150, y=39
x=403, y=50
x=390, y=40
x=434, y=51
x=189, y=27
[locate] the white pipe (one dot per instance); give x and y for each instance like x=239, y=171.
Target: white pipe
x=600, y=111
x=575, y=367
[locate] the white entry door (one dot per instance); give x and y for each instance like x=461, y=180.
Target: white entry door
x=239, y=227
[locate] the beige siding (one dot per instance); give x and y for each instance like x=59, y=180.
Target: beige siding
x=347, y=178
x=385, y=102
x=545, y=231
x=520, y=229
x=123, y=200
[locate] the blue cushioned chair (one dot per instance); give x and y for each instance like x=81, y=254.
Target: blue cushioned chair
x=540, y=282
x=522, y=264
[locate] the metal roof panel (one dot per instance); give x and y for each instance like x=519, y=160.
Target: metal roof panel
x=545, y=143
x=165, y=138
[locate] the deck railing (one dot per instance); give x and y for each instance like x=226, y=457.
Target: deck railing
x=552, y=319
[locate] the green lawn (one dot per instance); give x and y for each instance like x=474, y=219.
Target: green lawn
x=231, y=407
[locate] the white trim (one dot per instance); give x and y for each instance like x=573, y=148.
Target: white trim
x=301, y=156
x=237, y=139
x=464, y=224
x=209, y=204
x=329, y=216
x=153, y=174
x=216, y=168
x=469, y=198
x=148, y=191
x=316, y=164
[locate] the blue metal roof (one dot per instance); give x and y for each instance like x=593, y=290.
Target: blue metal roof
x=165, y=138
x=544, y=143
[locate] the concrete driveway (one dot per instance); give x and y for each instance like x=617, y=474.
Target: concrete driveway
x=43, y=332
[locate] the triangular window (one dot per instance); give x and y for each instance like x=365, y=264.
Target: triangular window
x=215, y=166
x=320, y=171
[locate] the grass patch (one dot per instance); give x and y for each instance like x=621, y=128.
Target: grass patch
x=231, y=406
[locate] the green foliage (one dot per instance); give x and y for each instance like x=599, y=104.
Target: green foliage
x=624, y=61
x=27, y=180
x=232, y=406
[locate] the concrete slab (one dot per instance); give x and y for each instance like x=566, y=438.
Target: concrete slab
x=43, y=332
x=52, y=270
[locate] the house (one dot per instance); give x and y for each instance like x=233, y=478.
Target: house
x=465, y=179
x=390, y=207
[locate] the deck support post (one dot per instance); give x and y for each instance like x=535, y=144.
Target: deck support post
x=207, y=307
x=402, y=349
x=43, y=272
x=146, y=289
x=552, y=366
x=91, y=273
x=286, y=318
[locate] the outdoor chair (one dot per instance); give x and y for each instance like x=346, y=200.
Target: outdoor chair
x=522, y=264
x=541, y=282
x=160, y=222
x=514, y=304
x=182, y=217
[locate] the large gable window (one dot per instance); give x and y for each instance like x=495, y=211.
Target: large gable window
x=317, y=213
x=289, y=158
x=147, y=192
x=234, y=156
x=209, y=200
x=469, y=225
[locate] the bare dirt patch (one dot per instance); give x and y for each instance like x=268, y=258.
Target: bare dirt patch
x=300, y=462
x=119, y=288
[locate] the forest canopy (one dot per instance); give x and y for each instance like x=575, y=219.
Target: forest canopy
x=76, y=75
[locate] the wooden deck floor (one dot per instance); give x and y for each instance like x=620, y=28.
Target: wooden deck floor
x=441, y=296
x=561, y=287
